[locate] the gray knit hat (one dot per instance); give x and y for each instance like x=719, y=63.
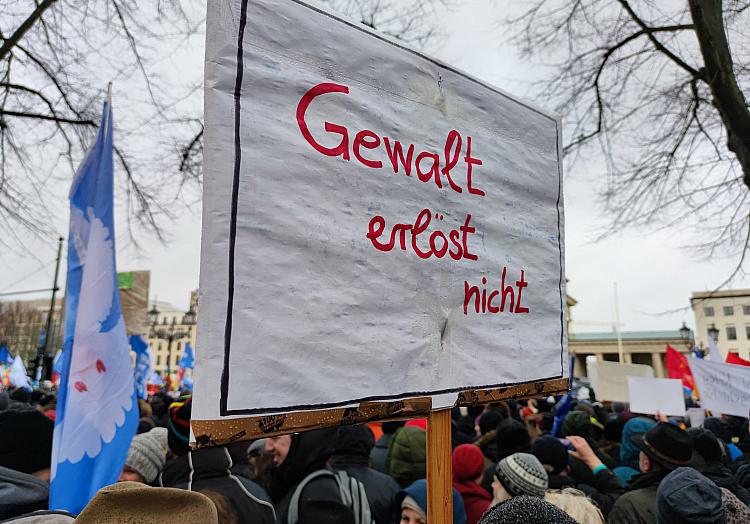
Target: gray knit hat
x=522, y=474
x=148, y=453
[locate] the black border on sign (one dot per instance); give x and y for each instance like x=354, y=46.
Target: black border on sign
x=223, y=409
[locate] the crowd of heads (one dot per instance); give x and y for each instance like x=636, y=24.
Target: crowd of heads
x=535, y=461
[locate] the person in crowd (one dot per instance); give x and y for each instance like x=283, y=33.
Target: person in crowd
x=224, y=511
x=301, y=473
x=146, y=456
x=468, y=462
x=664, y=448
x=412, y=502
x=211, y=468
x=519, y=474
x=351, y=454
x=407, y=456
x=379, y=452
x=629, y=452
x=136, y=502
x=260, y=464
x=487, y=441
x=604, y=488
x=687, y=497
x=708, y=447
x=526, y=509
x=578, y=423
x=511, y=437
x=576, y=504
x=25, y=458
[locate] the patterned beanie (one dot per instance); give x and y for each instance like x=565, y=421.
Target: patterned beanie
x=522, y=474
x=148, y=453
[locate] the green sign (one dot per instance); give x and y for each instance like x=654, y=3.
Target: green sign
x=125, y=280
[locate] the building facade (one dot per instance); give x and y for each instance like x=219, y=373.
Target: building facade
x=171, y=328
x=728, y=312
x=639, y=347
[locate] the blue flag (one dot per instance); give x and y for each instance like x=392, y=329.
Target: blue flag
x=142, y=364
x=97, y=409
x=186, y=362
x=5, y=356
x=562, y=408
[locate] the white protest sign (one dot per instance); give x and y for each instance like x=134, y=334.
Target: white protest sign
x=696, y=416
x=722, y=388
x=376, y=225
x=649, y=395
x=610, y=379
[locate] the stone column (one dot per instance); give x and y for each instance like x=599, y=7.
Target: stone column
x=657, y=364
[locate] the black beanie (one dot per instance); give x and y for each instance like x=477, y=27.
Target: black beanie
x=178, y=436
x=511, y=437
x=550, y=452
x=489, y=421
x=25, y=440
x=706, y=444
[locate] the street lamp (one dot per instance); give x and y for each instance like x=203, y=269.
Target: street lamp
x=713, y=333
x=172, y=333
x=685, y=335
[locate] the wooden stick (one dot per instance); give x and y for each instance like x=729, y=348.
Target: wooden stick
x=439, y=480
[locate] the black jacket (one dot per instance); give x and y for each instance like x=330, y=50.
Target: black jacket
x=308, y=452
x=723, y=477
x=638, y=504
x=211, y=469
x=380, y=452
x=380, y=488
x=603, y=488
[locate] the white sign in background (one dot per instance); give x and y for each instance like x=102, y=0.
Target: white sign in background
x=722, y=388
x=376, y=224
x=649, y=395
x=610, y=379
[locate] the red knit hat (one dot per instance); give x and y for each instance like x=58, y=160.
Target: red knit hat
x=417, y=423
x=468, y=462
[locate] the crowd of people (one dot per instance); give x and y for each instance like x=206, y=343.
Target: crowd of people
x=517, y=461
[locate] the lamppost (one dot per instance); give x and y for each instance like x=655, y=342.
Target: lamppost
x=713, y=333
x=686, y=335
x=171, y=333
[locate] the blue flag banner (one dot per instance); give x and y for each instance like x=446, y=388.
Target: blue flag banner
x=97, y=410
x=142, y=364
x=188, y=357
x=5, y=356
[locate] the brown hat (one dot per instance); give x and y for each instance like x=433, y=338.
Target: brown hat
x=137, y=503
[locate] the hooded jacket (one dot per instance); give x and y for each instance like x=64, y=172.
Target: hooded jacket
x=353, y=447
x=211, y=469
x=407, y=456
x=21, y=493
x=308, y=452
x=723, y=477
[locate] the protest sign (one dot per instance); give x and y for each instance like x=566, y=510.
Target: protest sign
x=649, y=395
x=610, y=379
x=133, y=286
x=377, y=226
x=722, y=388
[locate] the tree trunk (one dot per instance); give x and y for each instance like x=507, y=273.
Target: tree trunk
x=719, y=73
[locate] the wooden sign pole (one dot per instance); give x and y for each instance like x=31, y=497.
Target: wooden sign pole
x=439, y=476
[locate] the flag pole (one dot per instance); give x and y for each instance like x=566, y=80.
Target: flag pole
x=439, y=475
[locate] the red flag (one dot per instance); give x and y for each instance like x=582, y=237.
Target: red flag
x=677, y=367
x=734, y=358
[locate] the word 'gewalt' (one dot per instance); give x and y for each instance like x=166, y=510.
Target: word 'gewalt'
x=426, y=164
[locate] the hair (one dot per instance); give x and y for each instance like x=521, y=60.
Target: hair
x=224, y=508
x=575, y=504
x=144, y=408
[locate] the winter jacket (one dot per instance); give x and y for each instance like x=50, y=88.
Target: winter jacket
x=722, y=476
x=308, y=453
x=352, y=454
x=379, y=453
x=407, y=456
x=638, y=504
x=210, y=469
x=604, y=488
x=476, y=499
x=21, y=493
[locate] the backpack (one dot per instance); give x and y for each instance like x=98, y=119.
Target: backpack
x=352, y=493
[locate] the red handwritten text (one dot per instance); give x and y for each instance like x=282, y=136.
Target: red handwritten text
x=483, y=302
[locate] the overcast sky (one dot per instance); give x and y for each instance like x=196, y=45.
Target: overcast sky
x=652, y=273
